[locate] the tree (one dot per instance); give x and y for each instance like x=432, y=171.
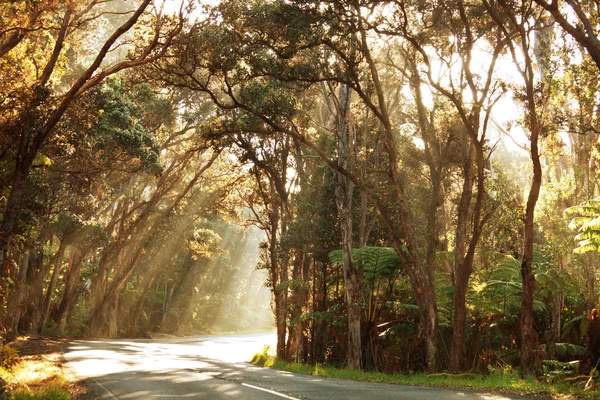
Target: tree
x=514, y=24
x=45, y=103
x=271, y=159
x=584, y=29
x=467, y=36
x=345, y=132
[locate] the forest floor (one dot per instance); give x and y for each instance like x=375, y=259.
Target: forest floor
x=40, y=372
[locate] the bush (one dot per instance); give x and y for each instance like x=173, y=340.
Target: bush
x=264, y=358
x=8, y=356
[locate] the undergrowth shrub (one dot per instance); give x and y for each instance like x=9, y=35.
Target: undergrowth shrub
x=9, y=356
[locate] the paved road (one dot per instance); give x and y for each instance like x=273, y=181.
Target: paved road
x=215, y=368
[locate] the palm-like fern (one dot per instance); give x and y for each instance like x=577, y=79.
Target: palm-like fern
x=378, y=262
x=381, y=267
x=585, y=217
x=499, y=291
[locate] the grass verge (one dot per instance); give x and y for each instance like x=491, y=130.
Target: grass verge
x=38, y=373
x=503, y=381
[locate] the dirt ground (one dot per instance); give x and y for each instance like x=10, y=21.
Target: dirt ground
x=47, y=351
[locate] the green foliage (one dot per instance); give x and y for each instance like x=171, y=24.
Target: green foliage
x=585, y=218
x=574, y=328
x=499, y=291
x=331, y=317
x=290, y=284
x=402, y=330
x=46, y=394
x=123, y=122
x=568, y=349
x=269, y=98
x=555, y=370
x=378, y=262
x=265, y=358
x=204, y=243
x=53, y=330
x=553, y=281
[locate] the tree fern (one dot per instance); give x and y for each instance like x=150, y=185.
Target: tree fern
x=378, y=262
x=585, y=218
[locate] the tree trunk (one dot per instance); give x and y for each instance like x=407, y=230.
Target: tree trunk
x=557, y=303
x=344, y=192
x=11, y=41
x=278, y=275
x=13, y=206
x=354, y=295
x=70, y=292
x=104, y=322
x=167, y=304
x=462, y=266
x=578, y=29
x=528, y=334
x=56, y=264
x=111, y=324
x=298, y=300
x=429, y=328
x=15, y=300
x=590, y=277
x=319, y=327
x=458, y=328
x=38, y=270
x=137, y=310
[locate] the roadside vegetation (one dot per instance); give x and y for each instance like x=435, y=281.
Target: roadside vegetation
x=502, y=380
x=32, y=369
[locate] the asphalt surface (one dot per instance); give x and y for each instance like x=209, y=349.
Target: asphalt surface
x=215, y=368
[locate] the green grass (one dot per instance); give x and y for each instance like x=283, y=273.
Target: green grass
x=506, y=380
x=47, y=394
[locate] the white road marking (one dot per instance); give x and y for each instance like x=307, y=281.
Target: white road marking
x=270, y=391
x=112, y=396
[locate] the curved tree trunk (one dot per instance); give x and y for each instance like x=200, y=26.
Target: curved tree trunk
x=56, y=264
x=528, y=334
x=461, y=266
x=70, y=292
x=15, y=300
x=104, y=317
x=139, y=306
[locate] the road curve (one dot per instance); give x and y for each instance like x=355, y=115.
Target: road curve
x=215, y=368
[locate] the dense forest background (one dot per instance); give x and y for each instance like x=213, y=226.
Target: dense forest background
x=416, y=182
